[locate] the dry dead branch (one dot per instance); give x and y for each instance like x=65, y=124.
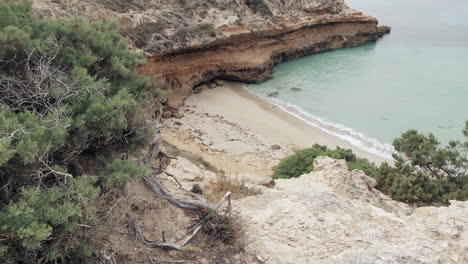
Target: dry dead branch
x=163, y=244
x=173, y=177
x=199, y=205
x=112, y=208
x=159, y=191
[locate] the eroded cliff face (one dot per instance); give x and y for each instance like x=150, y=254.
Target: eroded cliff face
x=161, y=25
x=249, y=57
x=189, y=43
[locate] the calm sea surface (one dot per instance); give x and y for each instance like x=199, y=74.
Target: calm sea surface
x=416, y=77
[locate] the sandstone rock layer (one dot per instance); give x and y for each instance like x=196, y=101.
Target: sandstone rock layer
x=250, y=56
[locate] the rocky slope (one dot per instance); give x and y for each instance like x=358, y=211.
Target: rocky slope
x=334, y=216
x=329, y=216
x=189, y=43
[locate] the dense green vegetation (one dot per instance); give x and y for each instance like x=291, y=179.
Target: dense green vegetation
x=423, y=173
x=71, y=108
x=302, y=161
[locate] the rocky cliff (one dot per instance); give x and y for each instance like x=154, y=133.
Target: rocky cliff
x=190, y=43
x=333, y=215
x=329, y=216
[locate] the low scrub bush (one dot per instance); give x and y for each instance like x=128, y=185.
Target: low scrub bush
x=184, y=34
x=424, y=173
x=118, y=172
x=238, y=187
x=302, y=162
x=217, y=226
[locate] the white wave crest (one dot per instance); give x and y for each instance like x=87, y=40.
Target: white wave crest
x=350, y=135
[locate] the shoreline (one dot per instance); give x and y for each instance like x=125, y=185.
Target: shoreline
x=241, y=134
x=305, y=135
x=293, y=112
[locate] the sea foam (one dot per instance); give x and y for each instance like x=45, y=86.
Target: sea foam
x=347, y=134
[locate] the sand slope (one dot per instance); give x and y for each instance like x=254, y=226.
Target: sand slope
x=235, y=131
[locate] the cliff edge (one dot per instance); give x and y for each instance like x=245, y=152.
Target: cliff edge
x=333, y=215
x=190, y=43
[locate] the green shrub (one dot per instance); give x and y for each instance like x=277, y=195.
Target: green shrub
x=53, y=220
x=70, y=98
x=302, y=161
x=118, y=172
x=423, y=173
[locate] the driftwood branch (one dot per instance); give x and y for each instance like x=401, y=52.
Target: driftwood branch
x=153, y=152
x=164, y=244
x=189, y=237
x=167, y=155
x=159, y=191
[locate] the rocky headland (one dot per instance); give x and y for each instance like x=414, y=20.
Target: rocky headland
x=190, y=43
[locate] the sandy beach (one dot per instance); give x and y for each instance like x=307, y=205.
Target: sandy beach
x=241, y=134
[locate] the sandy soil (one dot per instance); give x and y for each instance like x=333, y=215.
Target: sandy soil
x=234, y=131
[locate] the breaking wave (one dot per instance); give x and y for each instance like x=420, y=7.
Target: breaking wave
x=350, y=135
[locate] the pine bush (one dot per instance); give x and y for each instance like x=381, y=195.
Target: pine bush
x=69, y=93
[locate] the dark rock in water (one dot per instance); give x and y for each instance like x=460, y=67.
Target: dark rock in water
x=276, y=147
x=296, y=89
x=273, y=94
x=178, y=123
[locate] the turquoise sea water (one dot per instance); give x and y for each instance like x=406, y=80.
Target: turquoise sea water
x=416, y=77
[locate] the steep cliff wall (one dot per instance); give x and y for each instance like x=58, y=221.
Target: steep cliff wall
x=192, y=42
x=250, y=56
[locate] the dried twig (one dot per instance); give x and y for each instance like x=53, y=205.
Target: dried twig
x=173, y=177
x=189, y=237
x=168, y=156
x=112, y=208
x=226, y=196
x=164, y=244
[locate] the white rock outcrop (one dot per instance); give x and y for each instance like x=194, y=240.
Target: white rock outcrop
x=333, y=215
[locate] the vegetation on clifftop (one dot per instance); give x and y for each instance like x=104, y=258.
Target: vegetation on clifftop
x=71, y=110
x=302, y=162
x=423, y=173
